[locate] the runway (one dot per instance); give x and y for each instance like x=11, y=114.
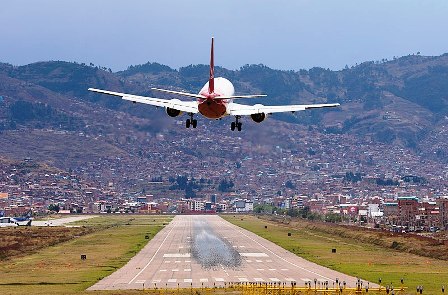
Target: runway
x=207, y=250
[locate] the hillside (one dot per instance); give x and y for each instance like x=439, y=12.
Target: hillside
x=398, y=106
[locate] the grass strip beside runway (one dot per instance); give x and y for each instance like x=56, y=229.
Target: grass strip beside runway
x=59, y=269
x=353, y=257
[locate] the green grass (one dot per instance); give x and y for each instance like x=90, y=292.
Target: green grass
x=367, y=261
x=59, y=269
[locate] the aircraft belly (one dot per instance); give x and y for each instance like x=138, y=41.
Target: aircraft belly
x=212, y=109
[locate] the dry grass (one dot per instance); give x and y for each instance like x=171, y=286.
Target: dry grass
x=17, y=241
x=58, y=269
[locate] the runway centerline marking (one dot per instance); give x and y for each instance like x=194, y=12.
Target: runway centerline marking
x=152, y=258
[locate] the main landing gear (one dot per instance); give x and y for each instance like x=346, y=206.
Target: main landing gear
x=236, y=124
x=191, y=122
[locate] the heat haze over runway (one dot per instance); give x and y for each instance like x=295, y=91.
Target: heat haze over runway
x=196, y=250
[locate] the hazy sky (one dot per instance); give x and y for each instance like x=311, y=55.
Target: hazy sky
x=282, y=34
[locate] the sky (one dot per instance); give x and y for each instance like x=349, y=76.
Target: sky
x=281, y=34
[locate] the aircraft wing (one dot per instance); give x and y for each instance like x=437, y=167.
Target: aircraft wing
x=183, y=106
x=246, y=110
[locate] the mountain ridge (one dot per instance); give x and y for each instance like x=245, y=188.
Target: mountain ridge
x=398, y=102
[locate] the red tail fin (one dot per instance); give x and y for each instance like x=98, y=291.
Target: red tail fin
x=211, y=81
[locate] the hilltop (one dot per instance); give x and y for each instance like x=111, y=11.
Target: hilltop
x=47, y=113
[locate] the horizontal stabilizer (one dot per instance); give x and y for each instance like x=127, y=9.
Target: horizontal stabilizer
x=178, y=93
x=240, y=96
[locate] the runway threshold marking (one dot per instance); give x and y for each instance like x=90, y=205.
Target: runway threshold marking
x=152, y=258
x=275, y=254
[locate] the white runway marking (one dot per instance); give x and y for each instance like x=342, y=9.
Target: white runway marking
x=258, y=280
x=167, y=261
x=219, y=280
x=289, y=280
x=260, y=269
x=152, y=258
x=177, y=261
x=259, y=260
x=254, y=255
x=272, y=269
x=187, y=269
x=293, y=264
x=249, y=261
x=203, y=280
x=156, y=281
x=305, y=279
x=243, y=279
x=177, y=255
x=284, y=269
x=162, y=270
x=172, y=280
x=140, y=281
x=188, y=280
x=274, y=279
x=187, y=261
x=175, y=269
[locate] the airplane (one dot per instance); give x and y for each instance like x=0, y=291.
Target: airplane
x=214, y=101
x=24, y=220
x=15, y=221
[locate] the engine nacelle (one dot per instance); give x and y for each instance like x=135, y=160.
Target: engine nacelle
x=260, y=117
x=173, y=112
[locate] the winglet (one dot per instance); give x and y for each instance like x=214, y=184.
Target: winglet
x=211, y=81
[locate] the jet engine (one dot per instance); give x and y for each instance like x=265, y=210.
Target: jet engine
x=173, y=112
x=258, y=117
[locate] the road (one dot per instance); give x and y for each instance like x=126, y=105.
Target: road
x=205, y=249
x=60, y=221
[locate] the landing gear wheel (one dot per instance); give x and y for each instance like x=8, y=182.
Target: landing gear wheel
x=194, y=123
x=188, y=123
x=239, y=126
x=232, y=126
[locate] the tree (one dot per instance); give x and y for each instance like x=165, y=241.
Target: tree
x=54, y=208
x=290, y=185
x=226, y=185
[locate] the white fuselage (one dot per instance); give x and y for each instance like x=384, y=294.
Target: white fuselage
x=213, y=108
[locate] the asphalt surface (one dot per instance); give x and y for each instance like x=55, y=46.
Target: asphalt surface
x=60, y=221
x=207, y=250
